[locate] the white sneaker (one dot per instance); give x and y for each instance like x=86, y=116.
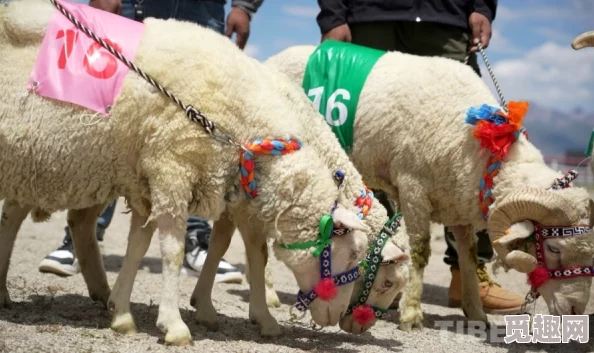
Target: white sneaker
x=61, y=261
x=194, y=261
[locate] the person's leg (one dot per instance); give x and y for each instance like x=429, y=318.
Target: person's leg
x=105, y=219
x=209, y=14
x=63, y=261
x=196, y=247
x=377, y=35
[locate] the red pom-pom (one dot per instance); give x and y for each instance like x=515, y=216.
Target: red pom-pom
x=538, y=277
x=496, y=138
x=363, y=314
x=326, y=289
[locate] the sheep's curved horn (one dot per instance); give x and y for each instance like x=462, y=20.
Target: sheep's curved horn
x=585, y=39
x=540, y=205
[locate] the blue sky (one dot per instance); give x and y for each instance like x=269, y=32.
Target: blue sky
x=530, y=49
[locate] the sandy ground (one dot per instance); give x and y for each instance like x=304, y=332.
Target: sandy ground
x=54, y=314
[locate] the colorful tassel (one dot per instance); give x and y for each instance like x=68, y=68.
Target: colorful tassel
x=496, y=132
x=364, y=202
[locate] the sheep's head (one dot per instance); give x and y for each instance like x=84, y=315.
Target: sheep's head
x=391, y=277
x=297, y=191
x=584, y=40
x=513, y=229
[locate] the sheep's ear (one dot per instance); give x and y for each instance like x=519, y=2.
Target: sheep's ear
x=521, y=261
x=345, y=218
x=517, y=234
x=392, y=253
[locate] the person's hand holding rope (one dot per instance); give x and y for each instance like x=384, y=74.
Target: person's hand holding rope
x=481, y=30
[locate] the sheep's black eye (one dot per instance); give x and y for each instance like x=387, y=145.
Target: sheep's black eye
x=553, y=249
x=388, y=284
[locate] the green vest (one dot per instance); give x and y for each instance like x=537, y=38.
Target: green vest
x=334, y=77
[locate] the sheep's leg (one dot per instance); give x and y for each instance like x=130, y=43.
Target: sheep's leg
x=82, y=224
x=257, y=256
x=13, y=216
x=139, y=240
x=222, y=232
x=411, y=315
x=272, y=299
x=171, y=238
x=467, y=256
x=419, y=227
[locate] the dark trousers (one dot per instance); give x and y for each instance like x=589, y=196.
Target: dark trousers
x=425, y=39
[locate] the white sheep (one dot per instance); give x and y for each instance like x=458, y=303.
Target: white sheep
x=166, y=166
x=390, y=278
x=411, y=140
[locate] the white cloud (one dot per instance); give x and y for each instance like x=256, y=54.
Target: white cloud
x=551, y=75
x=251, y=50
x=554, y=35
x=499, y=43
x=301, y=11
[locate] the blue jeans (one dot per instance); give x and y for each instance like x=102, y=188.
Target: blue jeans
x=206, y=13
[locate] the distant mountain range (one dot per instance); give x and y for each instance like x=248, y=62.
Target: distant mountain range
x=554, y=132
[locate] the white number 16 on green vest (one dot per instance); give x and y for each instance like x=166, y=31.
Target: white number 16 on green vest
x=331, y=104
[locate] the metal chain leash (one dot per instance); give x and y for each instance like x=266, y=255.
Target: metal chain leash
x=503, y=102
x=192, y=113
x=495, y=83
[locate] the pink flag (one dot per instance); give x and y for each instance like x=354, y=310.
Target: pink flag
x=74, y=68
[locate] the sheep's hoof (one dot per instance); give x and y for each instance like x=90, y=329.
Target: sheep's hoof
x=272, y=299
x=123, y=324
x=206, y=315
x=5, y=301
x=409, y=326
x=179, y=337
x=410, y=319
x=209, y=324
x=271, y=330
x=102, y=296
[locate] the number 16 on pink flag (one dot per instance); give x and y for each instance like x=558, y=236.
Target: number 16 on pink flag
x=74, y=68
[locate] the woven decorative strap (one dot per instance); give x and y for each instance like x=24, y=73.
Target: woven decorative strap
x=304, y=300
x=268, y=146
x=565, y=181
x=543, y=232
x=371, y=264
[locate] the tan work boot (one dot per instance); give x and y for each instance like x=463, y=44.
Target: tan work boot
x=495, y=299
